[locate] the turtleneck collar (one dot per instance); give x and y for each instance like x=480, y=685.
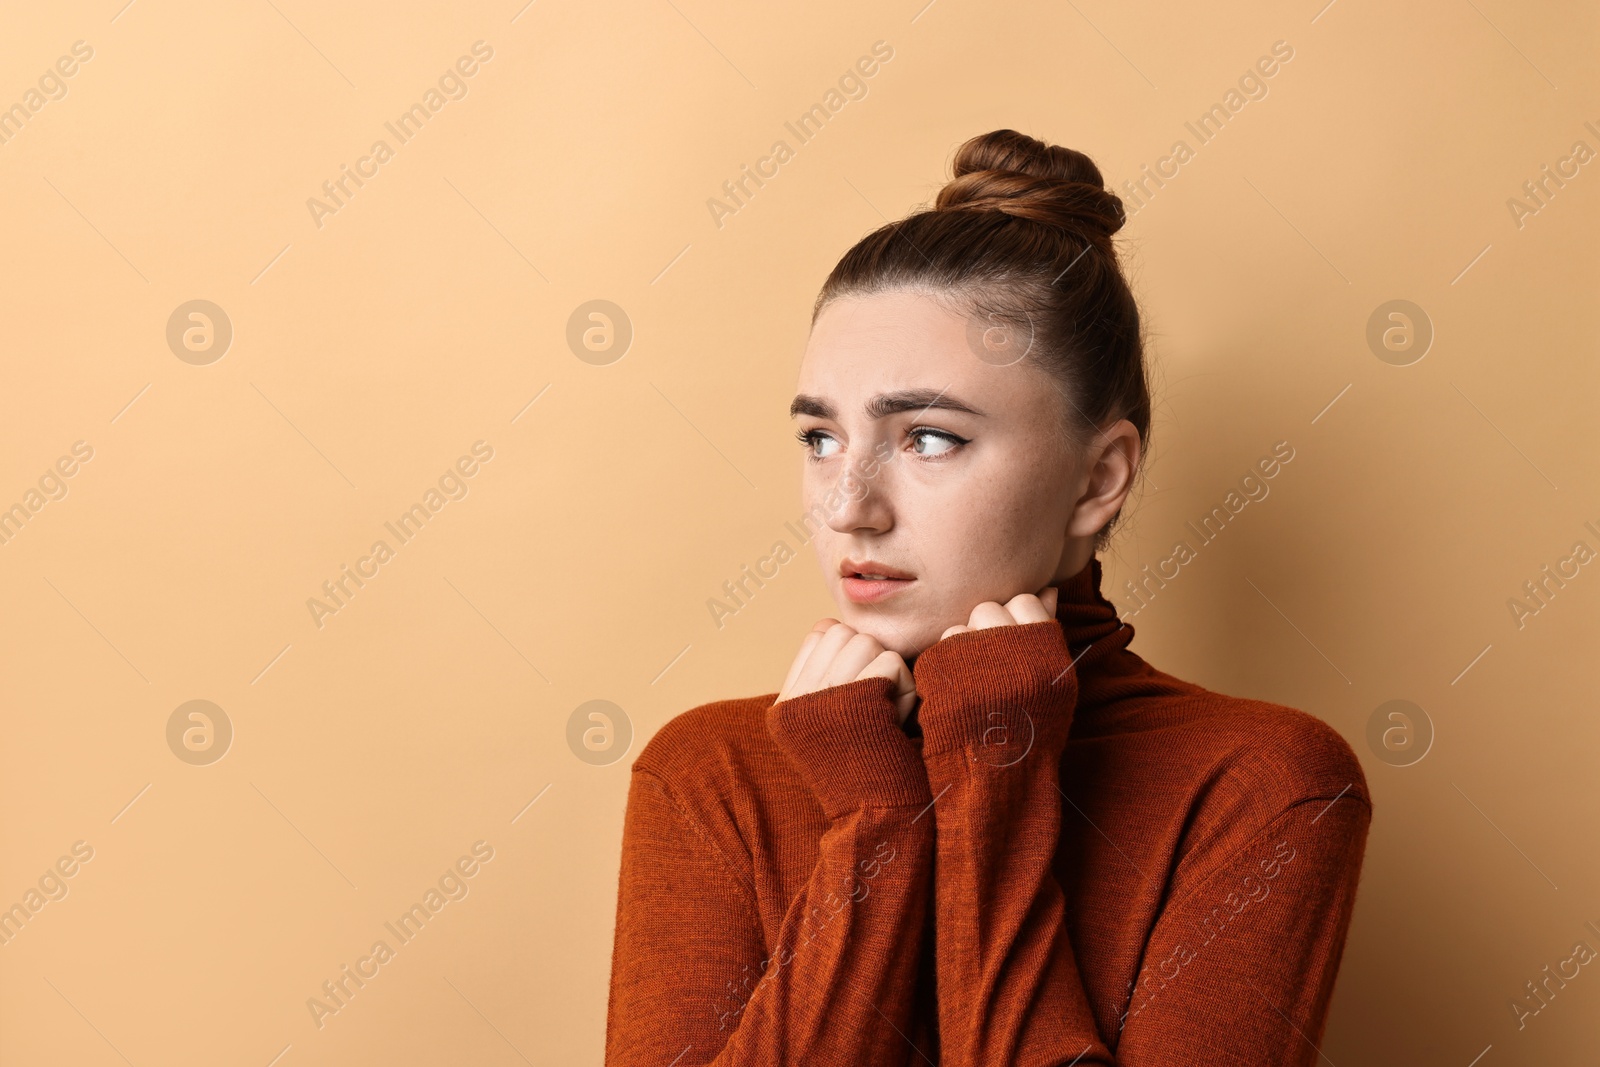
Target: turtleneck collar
x=1109, y=673
x=1087, y=617
x=1098, y=640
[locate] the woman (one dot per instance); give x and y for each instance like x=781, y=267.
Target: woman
x=973, y=827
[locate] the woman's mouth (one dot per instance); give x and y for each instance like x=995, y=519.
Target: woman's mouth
x=869, y=582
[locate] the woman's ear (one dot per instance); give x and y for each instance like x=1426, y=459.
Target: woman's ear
x=1110, y=463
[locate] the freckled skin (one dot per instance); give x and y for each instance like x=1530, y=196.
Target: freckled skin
x=1011, y=512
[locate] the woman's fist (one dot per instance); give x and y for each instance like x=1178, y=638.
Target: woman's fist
x=834, y=653
x=1022, y=608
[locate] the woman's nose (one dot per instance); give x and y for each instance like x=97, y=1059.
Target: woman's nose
x=864, y=504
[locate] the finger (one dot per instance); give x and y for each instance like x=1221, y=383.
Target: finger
x=905, y=705
x=807, y=646
x=821, y=627
x=889, y=664
x=956, y=629
x=852, y=659
x=820, y=662
x=1051, y=597
x=905, y=693
x=1026, y=607
x=990, y=614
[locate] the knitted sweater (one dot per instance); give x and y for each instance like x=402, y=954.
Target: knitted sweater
x=1064, y=857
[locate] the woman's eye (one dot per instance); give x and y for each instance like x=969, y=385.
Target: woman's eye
x=941, y=442
x=811, y=439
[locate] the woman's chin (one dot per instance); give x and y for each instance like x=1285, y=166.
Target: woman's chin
x=907, y=637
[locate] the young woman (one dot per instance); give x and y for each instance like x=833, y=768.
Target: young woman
x=973, y=827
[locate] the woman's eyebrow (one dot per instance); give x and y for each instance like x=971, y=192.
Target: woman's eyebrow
x=884, y=404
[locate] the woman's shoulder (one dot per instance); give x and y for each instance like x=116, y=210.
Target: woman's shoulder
x=1220, y=770
x=1282, y=754
x=1287, y=754
x=1282, y=749
x=711, y=744
x=724, y=781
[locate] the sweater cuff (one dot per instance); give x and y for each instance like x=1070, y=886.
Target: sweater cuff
x=999, y=690
x=846, y=742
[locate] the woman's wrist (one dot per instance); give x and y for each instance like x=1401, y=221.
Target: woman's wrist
x=996, y=689
x=846, y=742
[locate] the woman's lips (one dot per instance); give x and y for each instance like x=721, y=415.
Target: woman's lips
x=872, y=590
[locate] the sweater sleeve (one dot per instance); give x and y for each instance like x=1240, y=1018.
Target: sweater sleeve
x=996, y=709
x=1240, y=964
x=693, y=977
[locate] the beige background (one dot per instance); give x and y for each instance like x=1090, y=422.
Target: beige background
x=431, y=310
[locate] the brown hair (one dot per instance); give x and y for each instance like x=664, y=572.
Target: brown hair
x=1021, y=235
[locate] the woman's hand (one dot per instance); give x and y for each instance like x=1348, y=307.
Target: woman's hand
x=834, y=653
x=1022, y=608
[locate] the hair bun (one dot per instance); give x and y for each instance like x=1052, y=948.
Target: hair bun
x=1024, y=177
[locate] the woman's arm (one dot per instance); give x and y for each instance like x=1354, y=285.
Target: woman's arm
x=1240, y=965
x=693, y=980
x=1242, y=962
x=996, y=708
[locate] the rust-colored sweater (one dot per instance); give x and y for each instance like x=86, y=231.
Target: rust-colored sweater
x=1064, y=857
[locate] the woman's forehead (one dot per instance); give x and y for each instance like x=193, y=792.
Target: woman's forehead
x=904, y=341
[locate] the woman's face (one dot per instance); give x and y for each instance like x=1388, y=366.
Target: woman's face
x=928, y=462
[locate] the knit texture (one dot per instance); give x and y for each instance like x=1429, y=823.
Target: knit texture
x=1065, y=856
